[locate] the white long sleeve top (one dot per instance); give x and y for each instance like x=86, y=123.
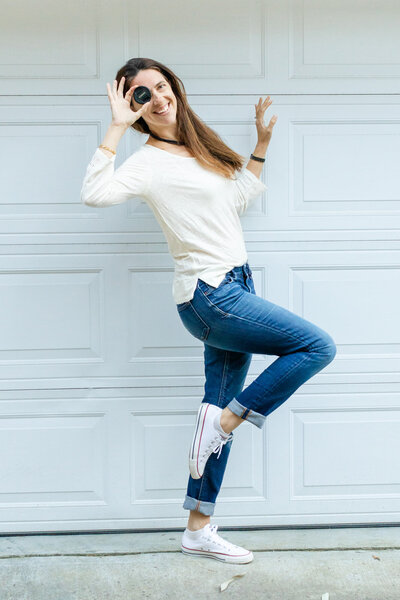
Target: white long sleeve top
x=198, y=210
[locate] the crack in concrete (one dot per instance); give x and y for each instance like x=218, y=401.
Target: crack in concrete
x=104, y=554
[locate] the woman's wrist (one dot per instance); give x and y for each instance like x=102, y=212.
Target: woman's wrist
x=122, y=126
x=260, y=150
x=256, y=166
x=112, y=138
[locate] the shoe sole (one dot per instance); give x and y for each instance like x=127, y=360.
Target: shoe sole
x=227, y=559
x=198, y=432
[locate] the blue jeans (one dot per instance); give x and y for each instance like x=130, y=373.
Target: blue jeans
x=234, y=323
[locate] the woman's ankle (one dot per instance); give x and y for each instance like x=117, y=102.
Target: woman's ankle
x=197, y=520
x=229, y=421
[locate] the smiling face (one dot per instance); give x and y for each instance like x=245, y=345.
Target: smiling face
x=162, y=97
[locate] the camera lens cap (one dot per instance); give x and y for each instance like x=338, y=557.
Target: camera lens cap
x=142, y=94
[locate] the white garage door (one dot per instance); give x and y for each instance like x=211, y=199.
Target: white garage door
x=99, y=384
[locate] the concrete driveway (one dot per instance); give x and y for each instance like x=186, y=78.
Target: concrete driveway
x=352, y=563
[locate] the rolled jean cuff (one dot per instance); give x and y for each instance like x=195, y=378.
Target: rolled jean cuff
x=206, y=508
x=246, y=413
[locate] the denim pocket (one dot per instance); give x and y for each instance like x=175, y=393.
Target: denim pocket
x=192, y=321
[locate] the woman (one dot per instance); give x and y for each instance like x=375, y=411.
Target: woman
x=186, y=174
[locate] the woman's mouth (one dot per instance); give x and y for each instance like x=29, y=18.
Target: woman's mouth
x=165, y=111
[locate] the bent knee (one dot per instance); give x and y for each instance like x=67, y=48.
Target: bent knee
x=326, y=348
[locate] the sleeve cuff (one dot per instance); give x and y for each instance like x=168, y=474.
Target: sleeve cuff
x=256, y=181
x=100, y=156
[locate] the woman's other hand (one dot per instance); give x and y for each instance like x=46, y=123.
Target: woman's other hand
x=264, y=131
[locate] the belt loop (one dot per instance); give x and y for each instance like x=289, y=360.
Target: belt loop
x=246, y=271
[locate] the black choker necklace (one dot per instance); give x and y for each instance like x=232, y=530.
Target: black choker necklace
x=163, y=140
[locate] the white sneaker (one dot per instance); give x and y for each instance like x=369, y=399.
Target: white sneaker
x=206, y=542
x=207, y=438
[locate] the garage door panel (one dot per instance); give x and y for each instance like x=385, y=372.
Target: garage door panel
x=353, y=444
x=52, y=459
x=345, y=39
x=358, y=304
x=159, y=459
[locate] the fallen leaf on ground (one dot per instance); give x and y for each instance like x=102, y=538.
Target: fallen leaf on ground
x=225, y=584
x=376, y=557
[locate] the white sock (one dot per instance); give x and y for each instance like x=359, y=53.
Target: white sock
x=195, y=534
x=217, y=425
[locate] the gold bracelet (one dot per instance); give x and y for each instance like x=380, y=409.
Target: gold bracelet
x=106, y=148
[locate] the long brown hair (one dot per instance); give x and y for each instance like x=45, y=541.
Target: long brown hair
x=204, y=143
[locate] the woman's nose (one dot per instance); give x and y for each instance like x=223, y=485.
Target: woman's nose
x=157, y=98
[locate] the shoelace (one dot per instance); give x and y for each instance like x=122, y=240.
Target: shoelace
x=213, y=528
x=222, y=442
x=214, y=537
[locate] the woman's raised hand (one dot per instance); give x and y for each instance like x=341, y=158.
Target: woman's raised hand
x=264, y=131
x=121, y=109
